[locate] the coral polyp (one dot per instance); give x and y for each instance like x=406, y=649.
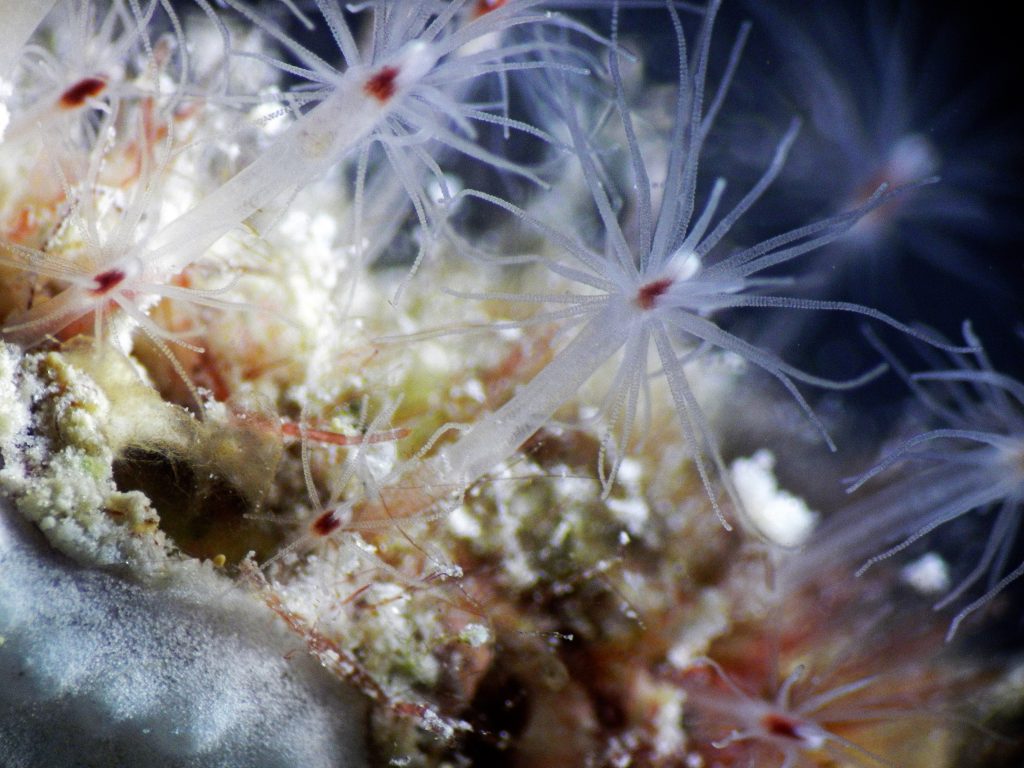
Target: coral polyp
x=396, y=382
x=970, y=464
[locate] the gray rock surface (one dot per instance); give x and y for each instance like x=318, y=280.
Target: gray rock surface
x=98, y=671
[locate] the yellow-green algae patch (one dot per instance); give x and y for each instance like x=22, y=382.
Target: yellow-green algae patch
x=93, y=455
x=58, y=454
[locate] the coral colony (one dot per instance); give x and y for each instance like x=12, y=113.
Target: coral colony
x=419, y=382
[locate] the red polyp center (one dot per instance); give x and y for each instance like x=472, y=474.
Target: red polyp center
x=105, y=281
x=780, y=725
x=649, y=294
x=482, y=7
x=327, y=523
x=381, y=85
x=82, y=91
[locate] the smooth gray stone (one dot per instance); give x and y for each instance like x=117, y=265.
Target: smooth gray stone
x=98, y=671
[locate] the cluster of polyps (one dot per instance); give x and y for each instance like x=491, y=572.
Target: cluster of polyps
x=392, y=115
x=406, y=92
x=657, y=285
x=98, y=113
x=403, y=92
